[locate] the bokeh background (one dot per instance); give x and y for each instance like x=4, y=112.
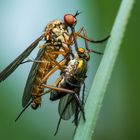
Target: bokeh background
x=21, y=22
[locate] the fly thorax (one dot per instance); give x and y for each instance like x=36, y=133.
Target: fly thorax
x=52, y=25
x=61, y=37
x=57, y=34
x=70, y=70
x=71, y=67
x=57, y=31
x=76, y=70
x=52, y=30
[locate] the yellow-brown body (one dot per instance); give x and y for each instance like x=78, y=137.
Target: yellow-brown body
x=57, y=39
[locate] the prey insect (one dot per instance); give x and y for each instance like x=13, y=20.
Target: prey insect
x=58, y=41
x=68, y=86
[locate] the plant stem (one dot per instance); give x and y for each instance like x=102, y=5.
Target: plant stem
x=93, y=104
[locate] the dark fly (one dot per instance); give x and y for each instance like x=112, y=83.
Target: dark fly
x=68, y=86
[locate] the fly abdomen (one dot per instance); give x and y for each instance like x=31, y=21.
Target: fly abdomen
x=44, y=66
x=37, y=90
x=55, y=95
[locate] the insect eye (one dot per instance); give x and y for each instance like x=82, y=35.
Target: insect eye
x=70, y=20
x=81, y=50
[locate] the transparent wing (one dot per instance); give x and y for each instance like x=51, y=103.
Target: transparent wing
x=31, y=77
x=67, y=106
x=12, y=66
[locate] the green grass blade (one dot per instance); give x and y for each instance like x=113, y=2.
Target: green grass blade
x=93, y=104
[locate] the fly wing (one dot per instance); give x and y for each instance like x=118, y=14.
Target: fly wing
x=12, y=66
x=31, y=77
x=67, y=106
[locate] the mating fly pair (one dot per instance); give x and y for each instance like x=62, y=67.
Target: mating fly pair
x=58, y=41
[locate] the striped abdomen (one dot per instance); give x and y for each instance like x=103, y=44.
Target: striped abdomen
x=44, y=67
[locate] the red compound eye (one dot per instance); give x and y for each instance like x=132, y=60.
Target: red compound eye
x=70, y=20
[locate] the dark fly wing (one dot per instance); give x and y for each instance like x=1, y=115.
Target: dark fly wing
x=67, y=107
x=12, y=66
x=31, y=77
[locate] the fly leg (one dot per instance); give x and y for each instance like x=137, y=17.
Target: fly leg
x=76, y=115
x=83, y=94
x=79, y=102
x=60, y=64
x=90, y=40
x=62, y=115
x=53, y=96
x=86, y=44
x=77, y=109
x=60, y=92
x=66, y=56
x=74, y=38
x=84, y=36
x=74, y=97
x=53, y=53
x=67, y=91
x=54, y=62
x=58, y=89
x=30, y=60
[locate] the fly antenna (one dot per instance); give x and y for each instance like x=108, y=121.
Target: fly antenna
x=77, y=13
x=23, y=110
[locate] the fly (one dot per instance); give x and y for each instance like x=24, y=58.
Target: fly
x=58, y=41
x=68, y=86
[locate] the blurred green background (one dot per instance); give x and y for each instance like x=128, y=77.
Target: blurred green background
x=21, y=22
